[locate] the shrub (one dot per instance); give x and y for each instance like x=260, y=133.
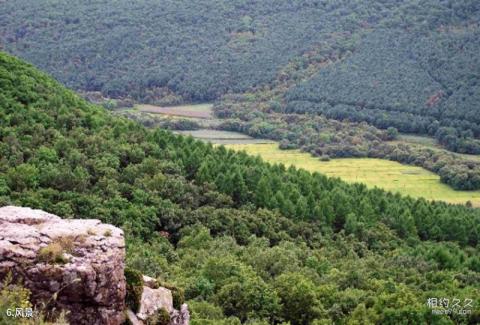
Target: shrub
x=134, y=288
x=205, y=310
x=54, y=252
x=153, y=258
x=67, y=243
x=12, y=296
x=4, y=189
x=22, y=177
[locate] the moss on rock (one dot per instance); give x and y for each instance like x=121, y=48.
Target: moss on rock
x=134, y=288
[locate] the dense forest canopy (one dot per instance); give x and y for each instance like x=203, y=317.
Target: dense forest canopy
x=417, y=82
x=201, y=49
x=197, y=49
x=247, y=240
x=411, y=65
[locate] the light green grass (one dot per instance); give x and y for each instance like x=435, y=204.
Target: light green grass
x=194, y=110
x=389, y=175
x=222, y=137
x=419, y=139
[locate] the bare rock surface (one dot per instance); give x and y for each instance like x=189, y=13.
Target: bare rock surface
x=79, y=261
x=155, y=297
x=180, y=317
x=153, y=300
x=133, y=319
x=150, y=282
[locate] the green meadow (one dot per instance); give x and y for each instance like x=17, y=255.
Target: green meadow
x=222, y=137
x=386, y=174
x=194, y=110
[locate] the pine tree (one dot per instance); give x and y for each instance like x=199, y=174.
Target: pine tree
x=240, y=190
x=301, y=209
x=263, y=192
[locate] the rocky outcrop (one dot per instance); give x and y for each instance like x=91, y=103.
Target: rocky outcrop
x=155, y=298
x=180, y=317
x=76, y=265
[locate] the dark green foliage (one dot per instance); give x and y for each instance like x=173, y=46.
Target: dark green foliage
x=134, y=288
x=251, y=297
x=299, y=298
x=408, y=65
x=204, y=310
x=198, y=50
x=173, y=51
x=192, y=216
x=414, y=81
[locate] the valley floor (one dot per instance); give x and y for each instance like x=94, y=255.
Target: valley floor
x=382, y=173
x=202, y=111
x=223, y=137
x=386, y=174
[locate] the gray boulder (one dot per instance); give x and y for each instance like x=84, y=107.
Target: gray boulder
x=74, y=265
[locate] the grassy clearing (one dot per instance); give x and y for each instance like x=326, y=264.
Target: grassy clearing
x=203, y=111
x=419, y=139
x=389, y=175
x=222, y=137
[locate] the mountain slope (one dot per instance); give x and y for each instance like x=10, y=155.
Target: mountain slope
x=199, y=50
x=246, y=240
x=419, y=82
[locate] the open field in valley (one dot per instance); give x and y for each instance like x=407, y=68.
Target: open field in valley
x=389, y=175
x=203, y=111
x=222, y=137
x=418, y=139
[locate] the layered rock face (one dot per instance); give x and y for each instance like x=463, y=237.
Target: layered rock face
x=80, y=262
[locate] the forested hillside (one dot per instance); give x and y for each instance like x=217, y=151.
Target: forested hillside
x=247, y=241
x=408, y=66
x=425, y=83
x=198, y=50
x=185, y=50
